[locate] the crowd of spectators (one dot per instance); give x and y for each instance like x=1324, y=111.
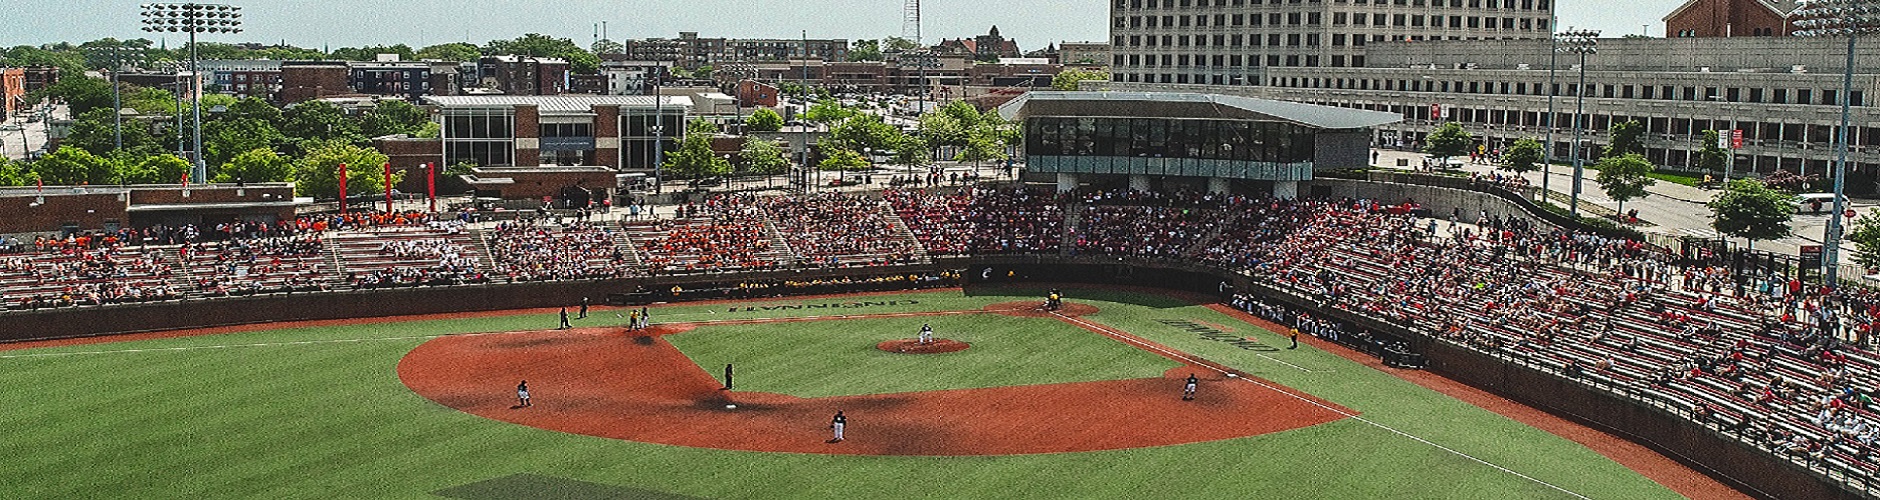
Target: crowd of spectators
x=838, y=230
x=574, y=250
x=251, y=265
x=982, y=220
x=724, y=233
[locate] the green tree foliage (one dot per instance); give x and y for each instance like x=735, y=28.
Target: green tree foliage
x=898, y=44
x=1789, y=182
x=764, y=120
x=865, y=50
x=606, y=46
x=1627, y=138
x=763, y=157
x=223, y=139
x=539, y=45
x=15, y=173
x=71, y=166
x=695, y=158
x=1068, y=78
x=864, y=131
x=83, y=93
x=981, y=148
x=911, y=151
x=256, y=165
x=1624, y=178
x=68, y=59
x=155, y=101
x=453, y=52
x=843, y=159
x=152, y=169
x=1524, y=156
x=1750, y=210
x=941, y=129
x=252, y=107
x=317, y=173
x=319, y=121
x=828, y=111
x=394, y=117
x=1865, y=233
x=701, y=126
x=93, y=132
x=1449, y=139
x=1711, y=158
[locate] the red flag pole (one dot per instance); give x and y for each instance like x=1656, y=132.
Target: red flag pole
x=387, y=181
x=342, y=189
x=430, y=184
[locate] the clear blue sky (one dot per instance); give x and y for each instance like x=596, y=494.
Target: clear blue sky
x=313, y=23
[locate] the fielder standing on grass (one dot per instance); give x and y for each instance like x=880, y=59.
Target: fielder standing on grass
x=836, y=426
x=1188, y=389
x=564, y=320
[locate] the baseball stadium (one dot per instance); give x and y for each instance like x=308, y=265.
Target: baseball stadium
x=1242, y=326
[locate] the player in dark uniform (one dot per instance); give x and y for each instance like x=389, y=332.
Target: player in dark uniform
x=1188, y=389
x=522, y=394
x=836, y=426
x=564, y=320
x=584, y=306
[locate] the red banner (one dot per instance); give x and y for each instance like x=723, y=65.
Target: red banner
x=387, y=181
x=342, y=189
x=430, y=184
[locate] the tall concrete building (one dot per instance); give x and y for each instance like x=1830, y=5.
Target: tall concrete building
x=1232, y=42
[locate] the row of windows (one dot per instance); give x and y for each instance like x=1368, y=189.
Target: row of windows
x=1758, y=95
x=1338, y=19
x=1240, y=140
x=1272, y=40
x=1473, y=4
x=1674, y=130
x=1227, y=61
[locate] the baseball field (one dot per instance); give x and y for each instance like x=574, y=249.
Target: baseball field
x=1079, y=404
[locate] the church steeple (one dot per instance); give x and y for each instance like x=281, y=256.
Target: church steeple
x=995, y=31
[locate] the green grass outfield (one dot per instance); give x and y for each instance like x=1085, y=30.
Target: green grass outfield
x=320, y=413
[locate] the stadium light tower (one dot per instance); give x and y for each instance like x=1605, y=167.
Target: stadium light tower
x=1580, y=42
x=193, y=18
x=1833, y=18
x=116, y=57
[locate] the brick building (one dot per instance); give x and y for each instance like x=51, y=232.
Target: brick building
x=12, y=91
x=523, y=75
x=308, y=80
x=616, y=132
x=1724, y=18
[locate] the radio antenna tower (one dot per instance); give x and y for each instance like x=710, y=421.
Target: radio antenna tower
x=910, y=21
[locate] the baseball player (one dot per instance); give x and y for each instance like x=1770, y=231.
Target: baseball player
x=1188, y=389
x=633, y=320
x=836, y=426
x=584, y=307
x=926, y=334
x=564, y=320
x=522, y=394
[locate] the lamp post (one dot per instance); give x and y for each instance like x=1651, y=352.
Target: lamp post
x=115, y=57
x=1553, y=62
x=1580, y=42
x=193, y=18
x=1832, y=18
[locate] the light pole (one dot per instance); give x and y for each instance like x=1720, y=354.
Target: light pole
x=802, y=122
x=1553, y=62
x=1832, y=18
x=659, y=140
x=193, y=18
x=1580, y=42
x=116, y=56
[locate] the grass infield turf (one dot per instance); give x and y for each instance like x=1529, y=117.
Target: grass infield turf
x=309, y=412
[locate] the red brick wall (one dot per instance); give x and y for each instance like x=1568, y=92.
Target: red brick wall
x=606, y=125
x=221, y=193
x=533, y=185
x=90, y=211
x=528, y=125
x=409, y=156
x=301, y=83
x=1717, y=18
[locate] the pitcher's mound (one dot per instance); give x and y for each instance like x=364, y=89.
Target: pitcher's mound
x=1035, y=309
x=913, y=346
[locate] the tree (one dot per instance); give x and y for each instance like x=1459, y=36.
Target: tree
x=1865, y=233
x=253, y=107
x=898, y=44
x=763, y=157
x=317, y=173
x=1068, y=78
x=1627, y=138
x=393, y=116
x=1524, y=156
x=371, y=53
x=764, y=120
x=94, y=132
x=695, y=158
x=1789, y=182
x=70, y=166
x=83, y=93
x=911, y=151
x=223, y=139
x=843, y=159
x=828, y=111
x=1750, y=210
x=1448, y=140
x=1711, y=158
x=539, y=45
x=1625, y=177
x=941, y=129
x=606, y=46
x=319, y=121
x=453, y=52
x=864, y=132
x=153, y=169
x=701, y=126
x=256, y=165
x=155, y=101
x=981, y=148
x=865, y=50
x=14, y=173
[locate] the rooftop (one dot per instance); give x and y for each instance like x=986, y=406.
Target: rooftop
x=1187, y=105
x=557, y=104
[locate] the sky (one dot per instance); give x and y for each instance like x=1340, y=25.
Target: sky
x=341, y=23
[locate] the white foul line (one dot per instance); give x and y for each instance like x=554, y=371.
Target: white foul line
x=1354, y=416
